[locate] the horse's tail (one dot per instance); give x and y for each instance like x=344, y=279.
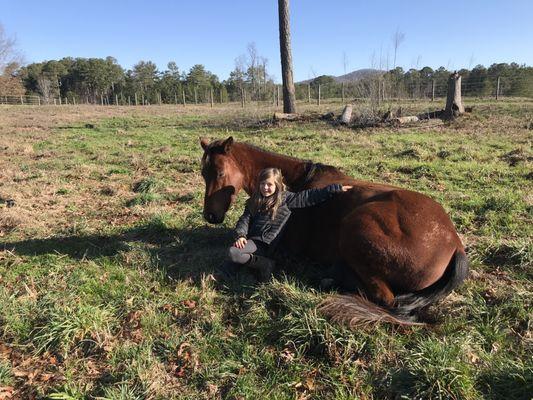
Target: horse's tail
x=356, y=310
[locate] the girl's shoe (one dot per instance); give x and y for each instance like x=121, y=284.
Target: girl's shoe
x=226, y=271
x=263, y=265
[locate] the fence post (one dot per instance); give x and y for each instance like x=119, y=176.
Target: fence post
x=318, y=96
x=136, y=102
x=101, y=99
x=175, y=98
x=342, y=89
x=195, y=95
x=116, y=99
x=129, y=100
x=212, y=98
x=242, y=97
x=55, y=104
x=433, y=90
x=277, y=97
x=498, y=88
x=309, y=93
x=39, y=99
x=183, y=96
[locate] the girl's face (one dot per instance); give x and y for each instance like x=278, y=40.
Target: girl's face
x=267, y=187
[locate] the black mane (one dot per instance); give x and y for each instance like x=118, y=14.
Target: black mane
x=312, y=169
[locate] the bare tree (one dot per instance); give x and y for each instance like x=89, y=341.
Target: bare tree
x=471, y=61
x=9, y=63
x=45, y=87
x=8, y=55
x=252, y=65
x=397, y=40
x=344, y=62
x=289, y=96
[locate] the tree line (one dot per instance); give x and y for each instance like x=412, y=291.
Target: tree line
x=98, y=80
x=480, y=81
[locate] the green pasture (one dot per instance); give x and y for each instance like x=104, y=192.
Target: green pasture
x=105, y=262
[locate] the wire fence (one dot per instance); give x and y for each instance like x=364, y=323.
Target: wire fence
x=373, y=89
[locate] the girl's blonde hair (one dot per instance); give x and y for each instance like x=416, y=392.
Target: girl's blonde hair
x=270, y=204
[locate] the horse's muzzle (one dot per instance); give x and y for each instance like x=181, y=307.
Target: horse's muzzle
x=212, y=218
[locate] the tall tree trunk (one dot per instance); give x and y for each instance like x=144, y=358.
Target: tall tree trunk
x=289, y=97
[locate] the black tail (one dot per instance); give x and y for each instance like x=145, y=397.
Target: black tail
x=455, y=274
x=356, y=310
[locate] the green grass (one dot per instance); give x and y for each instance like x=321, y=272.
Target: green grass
x=107, y=271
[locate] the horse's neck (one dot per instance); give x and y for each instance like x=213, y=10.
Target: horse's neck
x=254, y=160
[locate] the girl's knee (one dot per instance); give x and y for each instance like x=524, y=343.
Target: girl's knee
x=234, y=254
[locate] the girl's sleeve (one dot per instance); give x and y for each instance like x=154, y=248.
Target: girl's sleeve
x=311, y=197
x=241, y=229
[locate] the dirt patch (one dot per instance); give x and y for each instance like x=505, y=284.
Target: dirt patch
x=515, y=157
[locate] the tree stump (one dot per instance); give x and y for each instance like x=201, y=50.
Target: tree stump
x=346, y=116
x=454, y=104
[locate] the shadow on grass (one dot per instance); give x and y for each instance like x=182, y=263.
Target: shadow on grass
x=181, y=252
x=185, y=253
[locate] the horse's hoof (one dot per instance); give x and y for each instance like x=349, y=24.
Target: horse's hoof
x=326, y=284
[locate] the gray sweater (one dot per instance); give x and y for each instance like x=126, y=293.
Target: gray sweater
x=261, y=226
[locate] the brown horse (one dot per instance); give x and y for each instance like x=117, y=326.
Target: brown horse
x=400, y=245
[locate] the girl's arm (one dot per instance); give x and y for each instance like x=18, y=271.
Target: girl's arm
x=241, y=229
x=311, y=197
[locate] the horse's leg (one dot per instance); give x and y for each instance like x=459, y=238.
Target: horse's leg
x=378, y=291
x=370, y=254
x=340, y=276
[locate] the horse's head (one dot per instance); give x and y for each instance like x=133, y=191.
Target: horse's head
x=223, y=178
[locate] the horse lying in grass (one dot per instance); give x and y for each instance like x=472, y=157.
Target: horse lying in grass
x=400, y=246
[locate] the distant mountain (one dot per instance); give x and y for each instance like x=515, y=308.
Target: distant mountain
x=358, y=74
x=352, y=76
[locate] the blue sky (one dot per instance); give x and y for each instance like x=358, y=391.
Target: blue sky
x=214, y=33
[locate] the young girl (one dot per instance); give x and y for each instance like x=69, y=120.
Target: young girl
x=266, y=212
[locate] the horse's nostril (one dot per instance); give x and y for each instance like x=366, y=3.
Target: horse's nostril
x=210, y=217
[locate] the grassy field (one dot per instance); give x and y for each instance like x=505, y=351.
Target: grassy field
x=105, y=259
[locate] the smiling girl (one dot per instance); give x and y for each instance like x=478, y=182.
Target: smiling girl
x=266, y=212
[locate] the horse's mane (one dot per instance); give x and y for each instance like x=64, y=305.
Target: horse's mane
x=268, y=152
x=311, y=169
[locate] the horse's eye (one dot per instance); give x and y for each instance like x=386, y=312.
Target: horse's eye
x=220, y=174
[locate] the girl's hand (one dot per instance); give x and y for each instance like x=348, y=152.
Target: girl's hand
x=240, y=243
x=345, y=188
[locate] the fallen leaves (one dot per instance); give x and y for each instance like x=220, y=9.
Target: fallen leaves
x=6, y=392
x=186, y=361
x=30, y=373
x=190, y=304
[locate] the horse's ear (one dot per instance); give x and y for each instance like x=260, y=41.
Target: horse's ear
x=227, y=144
x=204, y=143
